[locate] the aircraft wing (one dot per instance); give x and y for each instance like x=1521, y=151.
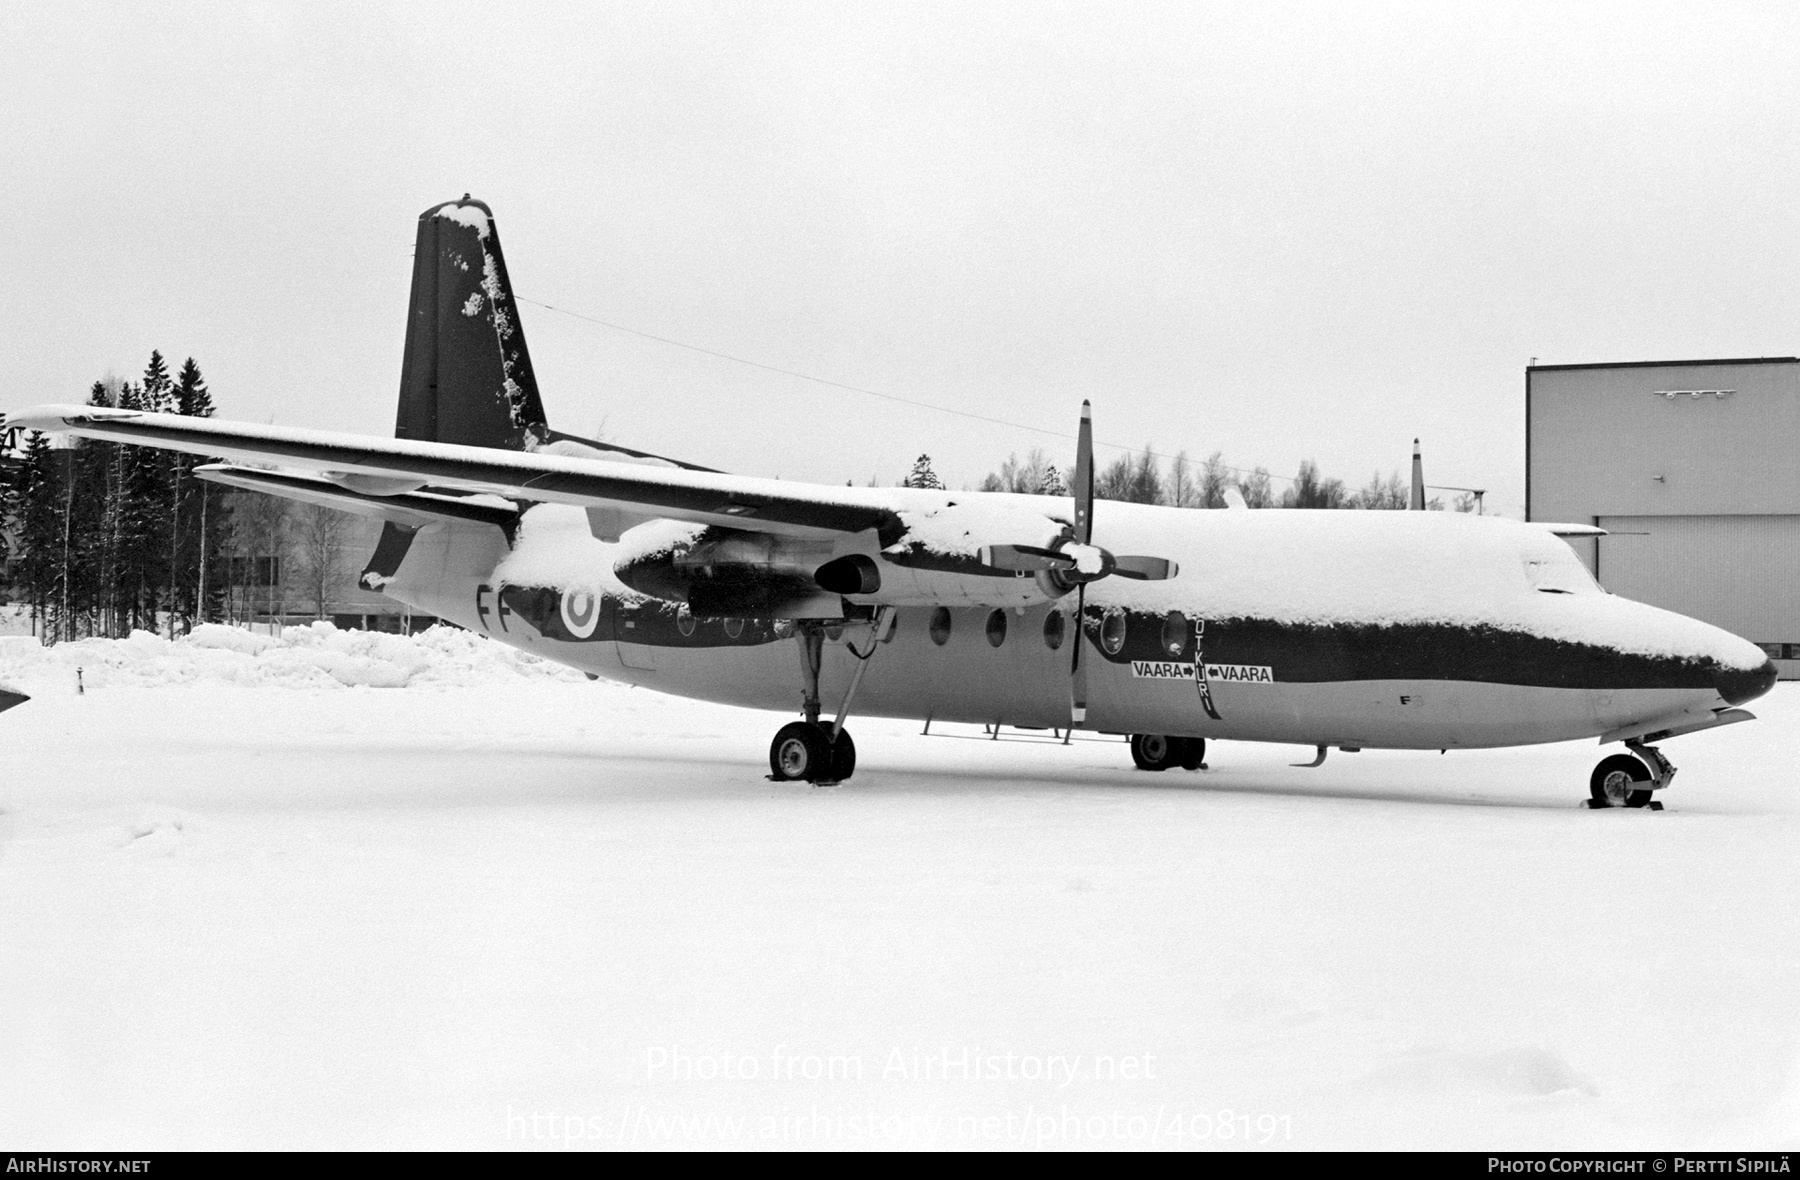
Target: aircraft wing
x=381, y=467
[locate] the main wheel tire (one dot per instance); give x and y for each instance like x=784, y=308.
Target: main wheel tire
x=1193, y=753
x=1619, y=782
x=842, y=759
x=1154, y=751
x=799, y=753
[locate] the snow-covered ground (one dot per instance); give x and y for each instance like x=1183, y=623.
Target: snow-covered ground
x=257, y=894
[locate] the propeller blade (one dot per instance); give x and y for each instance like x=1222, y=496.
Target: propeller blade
x=1144, y=569
x=1084, y=478
x=1024, y=558
x=1078, y=674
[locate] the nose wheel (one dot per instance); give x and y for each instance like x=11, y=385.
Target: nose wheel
x=1622, y=780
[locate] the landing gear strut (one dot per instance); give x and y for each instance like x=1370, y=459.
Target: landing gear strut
x=1158, y=751
x=1624, y=781
x=811, y=751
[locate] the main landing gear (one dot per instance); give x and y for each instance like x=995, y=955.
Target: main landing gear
x=1622, y=780
x=1159, y=751
x=811, y=751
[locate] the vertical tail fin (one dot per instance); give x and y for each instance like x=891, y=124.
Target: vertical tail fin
x=466, y=377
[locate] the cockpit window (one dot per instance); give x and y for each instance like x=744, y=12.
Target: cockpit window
x=1559, y=574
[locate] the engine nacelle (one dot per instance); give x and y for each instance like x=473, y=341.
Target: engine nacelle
x=721, y=572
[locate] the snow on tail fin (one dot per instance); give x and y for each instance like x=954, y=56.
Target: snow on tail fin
x=466, y=377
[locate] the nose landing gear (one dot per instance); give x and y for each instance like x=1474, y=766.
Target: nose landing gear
x=1622, y=780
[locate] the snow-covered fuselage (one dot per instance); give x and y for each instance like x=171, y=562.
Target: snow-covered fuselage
x=1368, y=629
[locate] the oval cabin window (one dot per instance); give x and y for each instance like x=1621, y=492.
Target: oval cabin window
x=996, y=628
x=1175, y=634
x=1112, y=632
x=734, y=627
x=1053, y=629
x=684, y=621
x=940, y=626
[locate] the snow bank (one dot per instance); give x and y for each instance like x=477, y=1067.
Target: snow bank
x=317, y=655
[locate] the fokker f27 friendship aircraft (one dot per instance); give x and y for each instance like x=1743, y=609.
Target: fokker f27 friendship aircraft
x=1416, y=630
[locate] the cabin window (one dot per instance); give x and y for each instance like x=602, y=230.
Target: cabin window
x=1175, y=633
x=684, y=621
x=734, y=628
x=1053, y=629
x=1112, y=632
x=940, y=626
x=996, y=628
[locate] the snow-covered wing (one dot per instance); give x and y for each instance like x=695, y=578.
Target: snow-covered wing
x=744, y=502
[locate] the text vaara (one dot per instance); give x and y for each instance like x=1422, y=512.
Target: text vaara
x=1215, y=673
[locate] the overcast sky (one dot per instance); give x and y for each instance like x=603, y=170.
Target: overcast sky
x=1279, y=232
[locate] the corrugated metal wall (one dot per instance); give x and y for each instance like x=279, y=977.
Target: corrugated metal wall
x=1741, y=573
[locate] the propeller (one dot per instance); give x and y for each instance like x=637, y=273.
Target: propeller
x=1073, y=560
x=1084, y=535
x=1090, y=563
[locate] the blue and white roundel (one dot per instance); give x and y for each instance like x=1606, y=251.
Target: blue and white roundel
x=580, y=612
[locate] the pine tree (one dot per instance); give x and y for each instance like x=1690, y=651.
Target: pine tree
x=36, y=512
x=195, y=522
x=191, y=395
x=1053, y=482
x=157, y=392
x=142, y=516
x=923, y=476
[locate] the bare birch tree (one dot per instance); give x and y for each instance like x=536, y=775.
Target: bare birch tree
x=318, y=537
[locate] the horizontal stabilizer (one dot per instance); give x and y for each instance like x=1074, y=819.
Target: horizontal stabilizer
x=1569, y=530
x=412, y=509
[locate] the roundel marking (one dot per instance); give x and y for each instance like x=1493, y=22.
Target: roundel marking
x=580, y=612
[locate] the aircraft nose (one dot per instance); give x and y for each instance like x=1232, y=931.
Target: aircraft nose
x=1737, y=685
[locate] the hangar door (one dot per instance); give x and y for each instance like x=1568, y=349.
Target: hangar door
x=1741, y=573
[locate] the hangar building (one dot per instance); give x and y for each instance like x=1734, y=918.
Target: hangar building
x=1693, y=468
